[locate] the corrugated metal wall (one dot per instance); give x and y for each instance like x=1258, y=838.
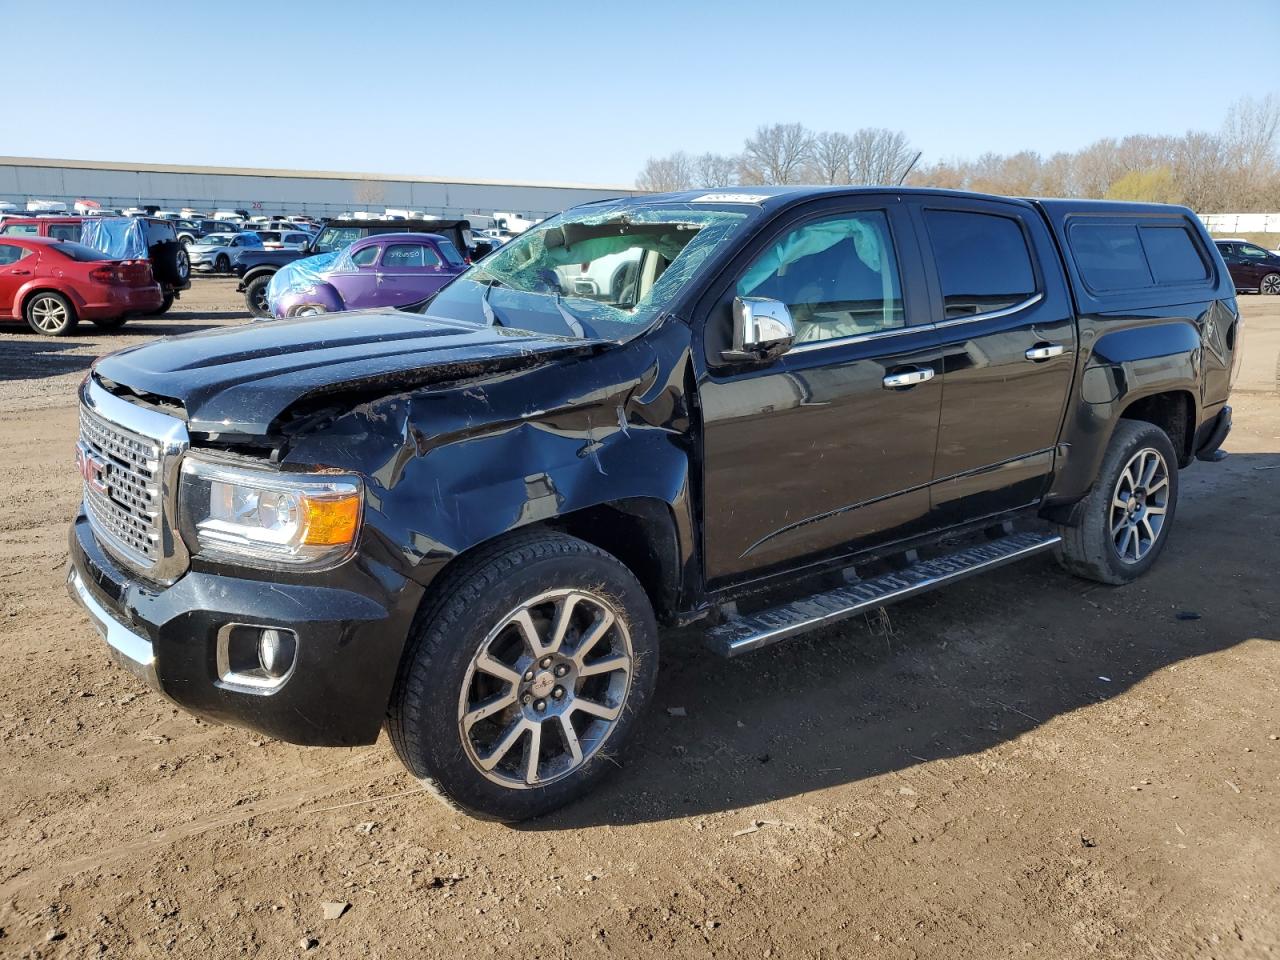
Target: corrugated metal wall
x=299, y=193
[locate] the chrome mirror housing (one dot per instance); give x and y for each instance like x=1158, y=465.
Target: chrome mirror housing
x=762, y=329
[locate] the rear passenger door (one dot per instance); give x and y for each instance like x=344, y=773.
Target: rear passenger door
x=1008, y=341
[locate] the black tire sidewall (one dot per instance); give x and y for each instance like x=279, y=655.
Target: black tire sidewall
x=250, y=292
x=1130, y=436
x=434, y=753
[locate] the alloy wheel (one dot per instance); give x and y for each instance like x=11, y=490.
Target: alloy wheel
x=48, y=314
x=1271, y=284
x=545, y=689
x=1139, y=505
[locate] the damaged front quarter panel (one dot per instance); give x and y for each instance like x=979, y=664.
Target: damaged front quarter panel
x=449, y=466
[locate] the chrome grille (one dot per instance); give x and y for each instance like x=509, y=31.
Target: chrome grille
x=126, y=507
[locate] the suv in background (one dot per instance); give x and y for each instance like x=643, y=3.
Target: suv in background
x=220, y=252
x=193, y=230
x=169, y=261
x=1252, y=268
x=289, y=239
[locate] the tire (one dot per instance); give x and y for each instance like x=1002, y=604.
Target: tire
x=112, y=323
x=442, y=719
x=1270, y=284
x=1108, y=520
x=50, y=314
x=165, y=304
x=255, y=295
x=222, y=264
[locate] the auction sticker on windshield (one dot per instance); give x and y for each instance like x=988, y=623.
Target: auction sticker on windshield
x=731, y=198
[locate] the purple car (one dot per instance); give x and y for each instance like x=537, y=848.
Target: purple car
x=386, y=270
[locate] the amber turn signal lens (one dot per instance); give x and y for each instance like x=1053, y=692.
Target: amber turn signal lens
x=330, y=522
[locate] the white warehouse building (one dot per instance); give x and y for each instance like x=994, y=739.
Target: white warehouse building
x=318, y=193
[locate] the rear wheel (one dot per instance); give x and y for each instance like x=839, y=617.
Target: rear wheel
x=1116, y=533
x=525, y=677
x=51, y=314
x=165, y=304
x=255, y=296
x=1270, y=284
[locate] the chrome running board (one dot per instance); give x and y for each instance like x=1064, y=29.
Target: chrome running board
x=752, y=631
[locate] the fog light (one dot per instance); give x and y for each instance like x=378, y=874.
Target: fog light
x=275, y=652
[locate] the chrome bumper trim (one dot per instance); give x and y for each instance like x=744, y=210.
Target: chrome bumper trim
x=131, y=651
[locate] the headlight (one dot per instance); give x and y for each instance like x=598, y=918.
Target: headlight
x=266, y=518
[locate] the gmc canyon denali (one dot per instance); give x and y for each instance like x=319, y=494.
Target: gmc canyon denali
x=794, y=405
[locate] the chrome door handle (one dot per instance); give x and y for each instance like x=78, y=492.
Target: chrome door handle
x=907, y=378
x=1044, y=351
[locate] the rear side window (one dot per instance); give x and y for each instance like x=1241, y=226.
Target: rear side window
x=1130, y=256
x=78, y=251
x=11, y=253
x=409, y=255
x=1110, y=256
x=983, y=262
x=1173, y=255
x=450, y=253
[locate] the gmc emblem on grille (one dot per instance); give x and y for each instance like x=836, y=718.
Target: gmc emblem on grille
x=93, y=468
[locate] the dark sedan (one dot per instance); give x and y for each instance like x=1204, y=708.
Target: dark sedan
x=1252, y=268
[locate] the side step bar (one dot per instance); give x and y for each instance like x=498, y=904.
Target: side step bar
x=753, y=631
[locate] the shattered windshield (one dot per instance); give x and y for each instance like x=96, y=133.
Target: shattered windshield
x=603, y=271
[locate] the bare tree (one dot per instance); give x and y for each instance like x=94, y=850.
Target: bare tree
x=667, y=174
x=776, y=154
x=830, y=158
x=879, y=156
x=716, y=170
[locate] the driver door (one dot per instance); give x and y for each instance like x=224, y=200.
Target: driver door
x=824, y=450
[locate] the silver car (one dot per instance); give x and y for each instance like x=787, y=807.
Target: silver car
x=219, y=251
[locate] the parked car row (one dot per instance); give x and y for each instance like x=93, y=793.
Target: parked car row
x=120, y=241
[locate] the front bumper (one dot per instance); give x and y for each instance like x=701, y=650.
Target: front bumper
x=350, y=633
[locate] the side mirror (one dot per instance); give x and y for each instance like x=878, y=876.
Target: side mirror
x=762, y=329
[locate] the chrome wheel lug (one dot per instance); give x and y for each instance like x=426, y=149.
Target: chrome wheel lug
x=546, y=662
x=561, y=670
x=527, y=699
x=540, y=705
x=528, y=676
x=558, y=693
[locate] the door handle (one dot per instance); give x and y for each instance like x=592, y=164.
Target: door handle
x=21, y=273
x=1044, y=351
x=907, y=378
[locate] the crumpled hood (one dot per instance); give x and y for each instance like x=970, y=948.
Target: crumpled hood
x=238, y=381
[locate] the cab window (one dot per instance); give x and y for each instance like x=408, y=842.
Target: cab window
x=21, y=230
x=64, y=231
x=838, y=276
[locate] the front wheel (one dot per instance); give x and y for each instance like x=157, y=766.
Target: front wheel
x=222, y=264
x=524, y=677
x=1270, y=284
x=1116, y=533
x=111, y=323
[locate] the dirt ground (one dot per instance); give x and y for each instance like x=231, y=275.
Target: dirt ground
x=1022, y=765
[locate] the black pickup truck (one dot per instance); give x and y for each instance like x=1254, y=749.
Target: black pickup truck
x=464, y=525
x=255, y=268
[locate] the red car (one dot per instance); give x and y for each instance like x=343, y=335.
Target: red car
x=53, y=284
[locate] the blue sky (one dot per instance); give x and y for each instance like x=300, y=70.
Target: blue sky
x=584, y=92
